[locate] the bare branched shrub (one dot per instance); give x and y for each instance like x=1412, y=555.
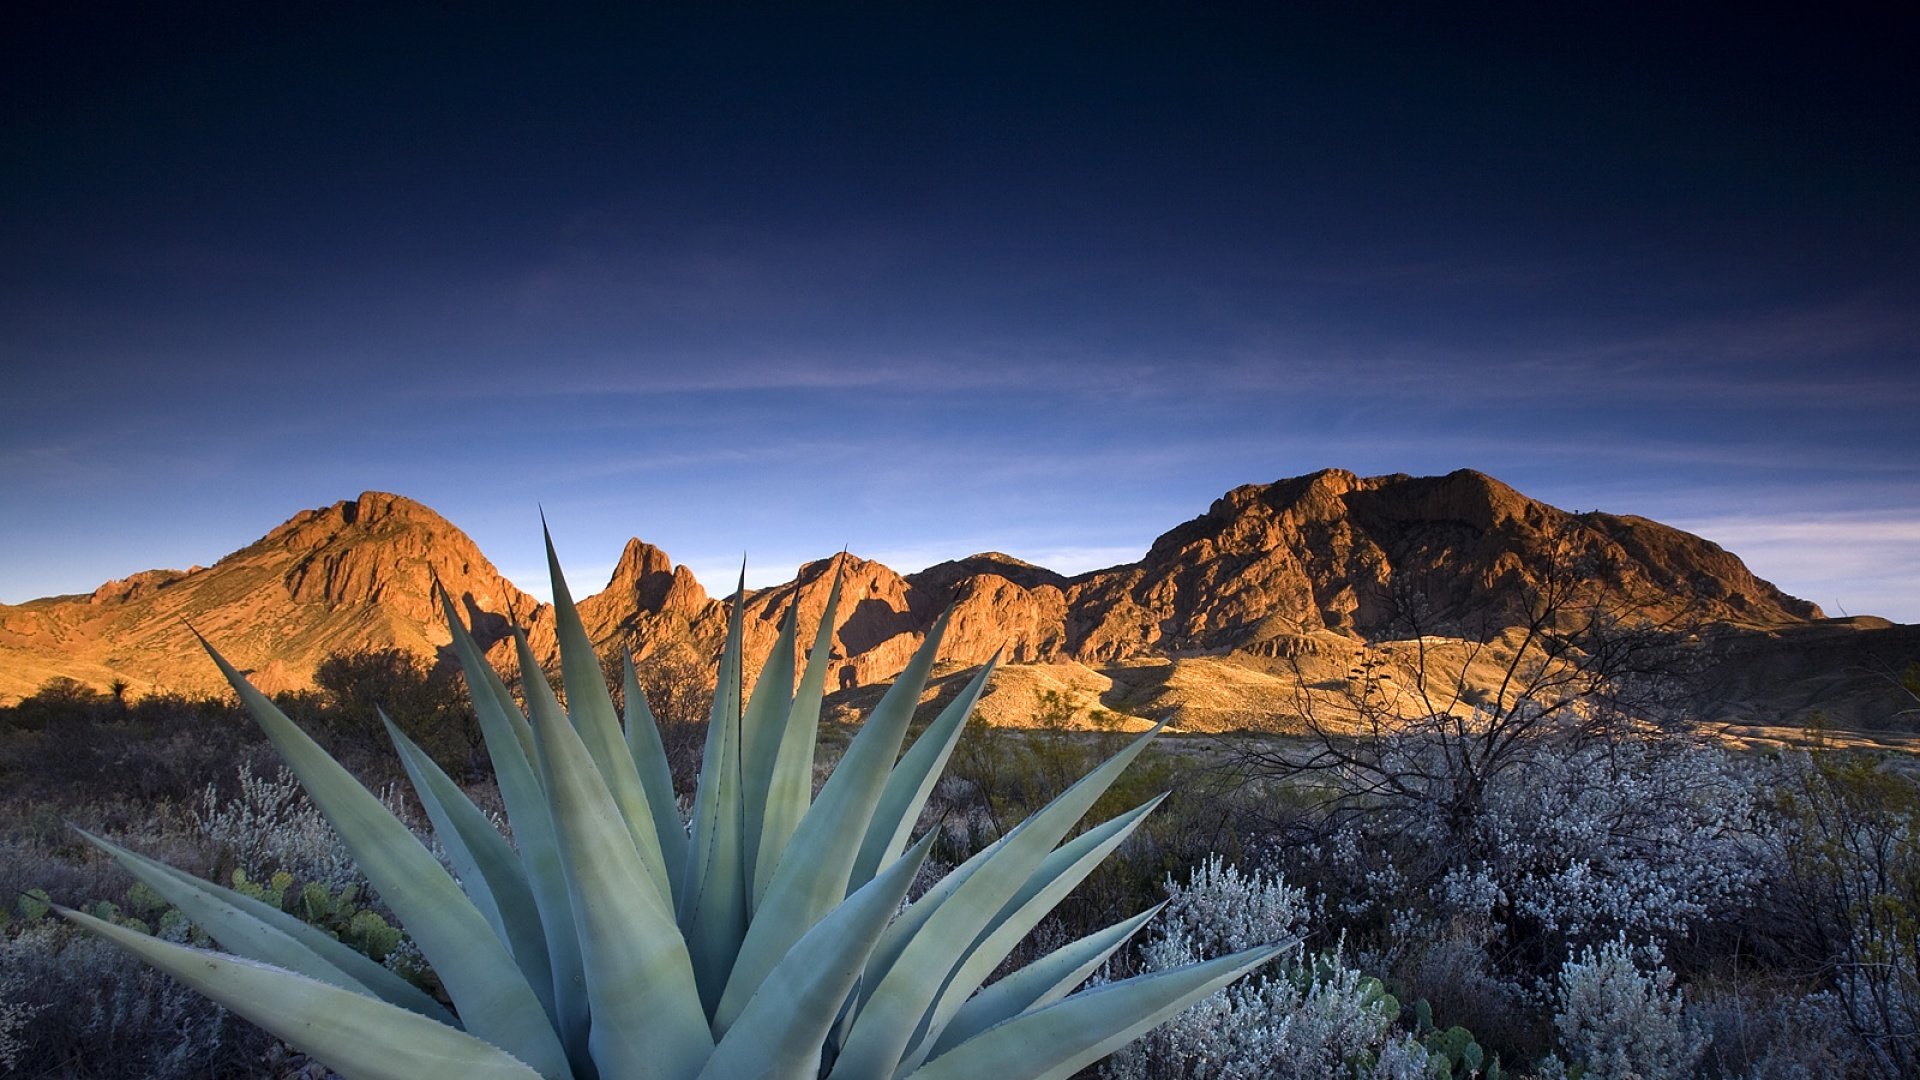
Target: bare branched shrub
x=1776, y=1036
x=1848, y=895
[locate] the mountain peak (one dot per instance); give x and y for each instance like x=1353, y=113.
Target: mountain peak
x=373, y=507
x=942, y=576
x=647, y=579
x=1330, y=550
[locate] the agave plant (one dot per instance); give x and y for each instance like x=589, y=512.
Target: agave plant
x=765, y=938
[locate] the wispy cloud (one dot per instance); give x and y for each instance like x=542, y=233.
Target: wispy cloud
x=1858, y=563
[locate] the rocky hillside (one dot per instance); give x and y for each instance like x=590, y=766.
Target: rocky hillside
x=1330, y=551
x=354, y=575
x=1313, y=565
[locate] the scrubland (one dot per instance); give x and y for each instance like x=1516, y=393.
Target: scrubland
x=1519, y=891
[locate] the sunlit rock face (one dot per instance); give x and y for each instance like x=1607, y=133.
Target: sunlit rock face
x=1330, y=551
x=359, y=574
x=1307, y=567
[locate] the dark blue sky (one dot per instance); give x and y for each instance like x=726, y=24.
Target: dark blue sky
x=928, y=280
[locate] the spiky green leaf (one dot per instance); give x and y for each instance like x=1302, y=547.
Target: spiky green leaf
x=892, y=1016
x=509, y=739
x=790, y=787
x=912, y=780
x=359, y=1037
x=1040, y=983
x=813, y=875
x=1055, y=1042
x=259, y=931
x=762, y=725
x=656, y=775
x=1058, y=874
x=590, y=708
x=782, y=1029
x=647, y=1019
x=489, y=871
x=492, y=997
x=713, y=913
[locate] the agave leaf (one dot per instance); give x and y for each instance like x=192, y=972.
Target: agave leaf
x=713, y=913
x=1059, y=1040
x=650, y=760
x=762, y=726
x=488, y=991
x=901, y=932
x=647, y=1020
x=489, y=871
x=501, y=722
x=509, y=741
x=359, y=1037
x=1040, y=983
x=812, y=876
x=892, y=1014
x=1066, y=868
x=902, y=929
x=259, y=931
x=1071, y=858
x=913, y=779
x=591, y=710
x=780, y=1033
x=790, y=787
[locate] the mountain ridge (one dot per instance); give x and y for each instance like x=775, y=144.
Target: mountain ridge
x=1266, y=570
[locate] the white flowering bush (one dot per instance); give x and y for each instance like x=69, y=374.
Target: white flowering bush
x=1619, y=1016
x=14, y=1014
x=270, y=825
x=1573, y=844
x=1310, y=1018
x=1636, y=838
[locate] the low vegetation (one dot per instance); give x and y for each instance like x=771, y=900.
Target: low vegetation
x=1532, y=886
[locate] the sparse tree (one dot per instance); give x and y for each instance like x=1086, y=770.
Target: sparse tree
x=1580, y=667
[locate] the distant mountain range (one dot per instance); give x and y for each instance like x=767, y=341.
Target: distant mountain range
x=1311, y=567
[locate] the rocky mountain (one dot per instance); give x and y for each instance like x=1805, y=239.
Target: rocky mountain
x=1313, y=566
x=1333, y=551
x=358, y=574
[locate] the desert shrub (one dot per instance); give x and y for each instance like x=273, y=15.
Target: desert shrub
x=1586, y=842
x=1619, y=1016
x=14, y=1015
x=83, y=1008
x=1775, y=1035
x=72, y=1005
x=429, y=703
x=1847, y=895
x=269, y=826
x=60, y=701
x=1647, y=839
x=160, y=747
x=1313, y=1017
x=1474, y=905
